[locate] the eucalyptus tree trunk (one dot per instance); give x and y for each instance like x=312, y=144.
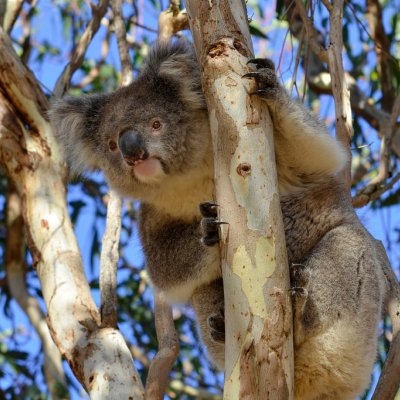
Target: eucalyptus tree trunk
x=258, y=316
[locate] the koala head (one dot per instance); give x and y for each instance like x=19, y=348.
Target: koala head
x=143, y=133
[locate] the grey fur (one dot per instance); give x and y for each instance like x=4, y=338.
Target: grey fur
x=336, y=268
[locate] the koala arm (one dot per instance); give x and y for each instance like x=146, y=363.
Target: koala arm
x=177, y=261
x=305, y=152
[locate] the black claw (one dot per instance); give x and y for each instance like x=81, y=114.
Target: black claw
x=208, y=209
x=260, y=92
x=262, y=63
x=251, y=75
x=210, y=224
x=217, y=223
x=257, y=61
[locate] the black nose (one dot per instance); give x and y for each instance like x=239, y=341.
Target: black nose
x=132, y=147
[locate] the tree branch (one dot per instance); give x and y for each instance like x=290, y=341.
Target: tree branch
x=372, y=192
x=16, y=280
x=120, y=32
x=382, y=50
x=171, y=21
x=389, y=380
x=78, y=55
x=168, y=349
x=312, y=34
x=319, y=81
x=9, y=12
x=99, y=358
x=194, y=392
x=344, y=126
x=257, y=365
x=108, y=262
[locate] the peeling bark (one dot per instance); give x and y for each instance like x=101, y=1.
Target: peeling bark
x=254, y=260
x=16, y=280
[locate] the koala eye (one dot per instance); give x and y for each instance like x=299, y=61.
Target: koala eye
x=156, y=125
x=112, y=145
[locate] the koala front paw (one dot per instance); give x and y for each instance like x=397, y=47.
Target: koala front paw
x=265, y=76
x=209, y=224
x=216, y=322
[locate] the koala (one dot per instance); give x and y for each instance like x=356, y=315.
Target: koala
x=152, y=141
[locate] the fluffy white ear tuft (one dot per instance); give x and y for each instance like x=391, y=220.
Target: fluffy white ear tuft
x=75, y=122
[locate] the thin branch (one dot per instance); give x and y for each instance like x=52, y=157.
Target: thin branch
x=171, y=21
x=9, y=12
x=16, y=279
x=319, y=80
x=139, y=355
x=311, y=32
x=382, y=50
x=387, y=129
x=78, y=55
x=297, y=61
x=120, y=32
x=373, y=192
x=168, y=349
x=194, y=392
x=384, y=153
x=139, y=25
x=389, y=380
x=109, y=253
x=108, y=262
x=395, y=114
x=327, y=5
x=344, y=126
x=95, y=71
x=25, y=40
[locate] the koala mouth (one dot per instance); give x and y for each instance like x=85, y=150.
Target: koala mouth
x=148, y=169
x=133, y=161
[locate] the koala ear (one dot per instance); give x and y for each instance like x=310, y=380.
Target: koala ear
x=176, y=61
x=75, y=122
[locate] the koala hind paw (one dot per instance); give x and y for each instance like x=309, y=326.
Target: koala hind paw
x=209, y=224
x=299, y=275
x=265, y=76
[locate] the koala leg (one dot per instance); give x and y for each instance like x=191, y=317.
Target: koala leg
x=303, y=146
x=299, y=279
x=208, y=304
x=336, y=333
